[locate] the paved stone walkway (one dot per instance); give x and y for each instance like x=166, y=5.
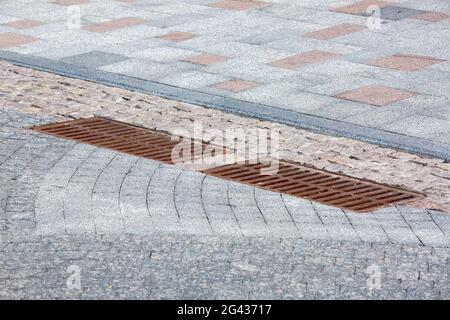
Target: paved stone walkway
x=323, y=58
x=135, y=228
x=124, y=225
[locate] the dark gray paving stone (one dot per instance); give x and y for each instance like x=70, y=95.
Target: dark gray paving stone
x=94, y=59
x=398, y=13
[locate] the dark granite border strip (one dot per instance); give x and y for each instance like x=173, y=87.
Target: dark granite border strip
x=382, y=138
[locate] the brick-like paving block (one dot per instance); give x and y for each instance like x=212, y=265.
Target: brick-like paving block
x=238, y=5
x=304, y=58
x=334, y=31
x=431, y=16
x=205, y=59
x=69, y=2
x=361, y=7
x=235, y=85
x=376, y=95
x=178, y=36
x=405, y=62
x=23, y=24
x=114, y=24
x=9, y=40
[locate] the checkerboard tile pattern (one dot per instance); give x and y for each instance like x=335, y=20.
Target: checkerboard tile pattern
x=287, y=54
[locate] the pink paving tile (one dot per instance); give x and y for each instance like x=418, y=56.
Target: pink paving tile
x=178, y=36
x=304, y=58
x=238, y=5
x=114, y=24
x=376, y=95
x=206, y=59
x=23, y=24
x=405, y=62
x=334, y=31
x=69, y=2
x=361, y=7
x=9, y=40
x=235, y=85
x=431, y=16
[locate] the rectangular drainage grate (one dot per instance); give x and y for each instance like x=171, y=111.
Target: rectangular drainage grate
x=317, y=185
x=292, y=179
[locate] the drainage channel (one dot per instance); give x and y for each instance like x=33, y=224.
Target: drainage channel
x=296, y=180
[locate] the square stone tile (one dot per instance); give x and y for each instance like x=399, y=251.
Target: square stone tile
x=376, y=95
x=94, y=59
x=23, y=24
x=178, y=36
x=334, y=31
x=69, y=2
x=235, y=85
x=431, y=16
x=397, y=13
x=9, y=40
x=304, y=58
x=206, y=59
x=361, y=7
x=114, y=24
x=405, y=62
x=238, y=5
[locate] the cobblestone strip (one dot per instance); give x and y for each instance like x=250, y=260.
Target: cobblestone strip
x=157, y=267
x=42, y=93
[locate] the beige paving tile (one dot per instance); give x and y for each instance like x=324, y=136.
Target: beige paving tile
x=361, y=7
x=431, y=16
x=114, y=24
x=178, y=36
x=23, y=24
x=304, y=58
x=405, y=62
x=334, y=31
x=376, y=95
x=9, y=40
x=69, y=2
x=238, y=5
x=235, y=85
x=206, y=59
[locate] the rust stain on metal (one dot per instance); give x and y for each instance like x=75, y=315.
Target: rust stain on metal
x=299, y=181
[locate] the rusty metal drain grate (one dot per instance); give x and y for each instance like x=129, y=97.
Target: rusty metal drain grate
x=317, y=185
x=115, y=135
x=292, y=179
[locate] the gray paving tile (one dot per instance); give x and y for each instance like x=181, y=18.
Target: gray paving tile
x=397, y=12
x=94, y=59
